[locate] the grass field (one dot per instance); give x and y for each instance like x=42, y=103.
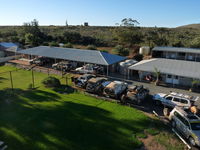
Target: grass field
x=43, y=119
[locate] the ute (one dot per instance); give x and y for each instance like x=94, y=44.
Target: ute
x=81, y=81
x=134, y=94
x=115, y=89
x=96, y=85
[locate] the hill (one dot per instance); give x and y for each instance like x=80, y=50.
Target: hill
x=195, y=26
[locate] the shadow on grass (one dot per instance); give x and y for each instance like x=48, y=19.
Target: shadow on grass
x=2, y=78
x=63, y=125
x=65, y=89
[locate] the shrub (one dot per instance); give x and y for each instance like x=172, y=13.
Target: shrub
x=51, y=82
x=53, y=44
x=91, y=47
x=120, y=50
x=68, y=45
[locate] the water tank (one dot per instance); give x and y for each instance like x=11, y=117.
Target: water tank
x=2, y=54
x=144, y=50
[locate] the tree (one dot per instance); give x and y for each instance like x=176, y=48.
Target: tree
x=129, y=22
x=128, y=36
x=195, y=43
x=31, y=39
x=157, y=73
x=32, y=33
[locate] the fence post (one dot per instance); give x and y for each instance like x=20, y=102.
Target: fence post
x=11, y=81
x=33, y=79
x=66, y=80
x=48, y=72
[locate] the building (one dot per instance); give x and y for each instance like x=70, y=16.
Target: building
x=177, y=72
x=109, y=61
x=179, y=53
x=9, y=49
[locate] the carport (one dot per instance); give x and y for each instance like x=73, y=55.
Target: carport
x=76, y=55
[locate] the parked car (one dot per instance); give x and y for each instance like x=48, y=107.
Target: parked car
x=175, y=99
x=115, y=89
x=39, y=61
x=187, y=124
x=95, y=85
x=64, y=66
x=82, y=80
x=134, y=94
x=90, y=68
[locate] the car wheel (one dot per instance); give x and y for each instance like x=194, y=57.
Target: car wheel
x=123, y=99
x=173, y=124
x=192, y=141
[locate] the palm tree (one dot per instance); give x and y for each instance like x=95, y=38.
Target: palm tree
x=157, y=73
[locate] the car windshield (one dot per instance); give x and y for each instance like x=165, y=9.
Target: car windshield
x=195, y=125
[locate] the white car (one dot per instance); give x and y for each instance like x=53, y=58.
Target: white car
x=88, y=68
x=187, y=124
x=175, y=99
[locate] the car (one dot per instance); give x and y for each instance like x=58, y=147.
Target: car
x=90, y=68
x=134, y=94
x=175, y=99
x=115, y=89
x=95, y=85
x=64, y=66
x=81, y=81
x=187, y=123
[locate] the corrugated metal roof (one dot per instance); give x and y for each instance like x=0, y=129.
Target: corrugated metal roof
x=177, y=49
x=88, y=56
x=11, y=47
x=168, y=66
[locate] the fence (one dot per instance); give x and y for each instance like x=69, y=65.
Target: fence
x=29, y=78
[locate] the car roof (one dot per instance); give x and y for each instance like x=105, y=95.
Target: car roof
x=189, y=115
x=185, y=96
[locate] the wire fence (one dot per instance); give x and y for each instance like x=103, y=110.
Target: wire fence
x=29, y=78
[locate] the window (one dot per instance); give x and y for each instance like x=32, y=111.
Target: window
x=184, y=101
x=183, y=120
x=175, y=77
x=169, y=98
x=169, y=76
x=176, y=99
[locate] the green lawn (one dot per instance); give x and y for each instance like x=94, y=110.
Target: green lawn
x=44, y=119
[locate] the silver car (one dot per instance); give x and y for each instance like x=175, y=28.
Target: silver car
x=187, y=124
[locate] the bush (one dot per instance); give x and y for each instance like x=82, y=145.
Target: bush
x=53, y=44
x=120, y=50
x=51, y=82
x=68, y=45
x=91, y=47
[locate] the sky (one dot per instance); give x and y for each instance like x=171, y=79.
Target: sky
x=149, y=13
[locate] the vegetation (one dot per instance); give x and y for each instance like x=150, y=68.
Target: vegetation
x=68, y=45
x=128, y=34
x=91, y=47
x=45, y=119
x=120, y=50
x=51, y=82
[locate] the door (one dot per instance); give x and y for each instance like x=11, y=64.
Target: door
x=169, y=79
x=175, y=80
